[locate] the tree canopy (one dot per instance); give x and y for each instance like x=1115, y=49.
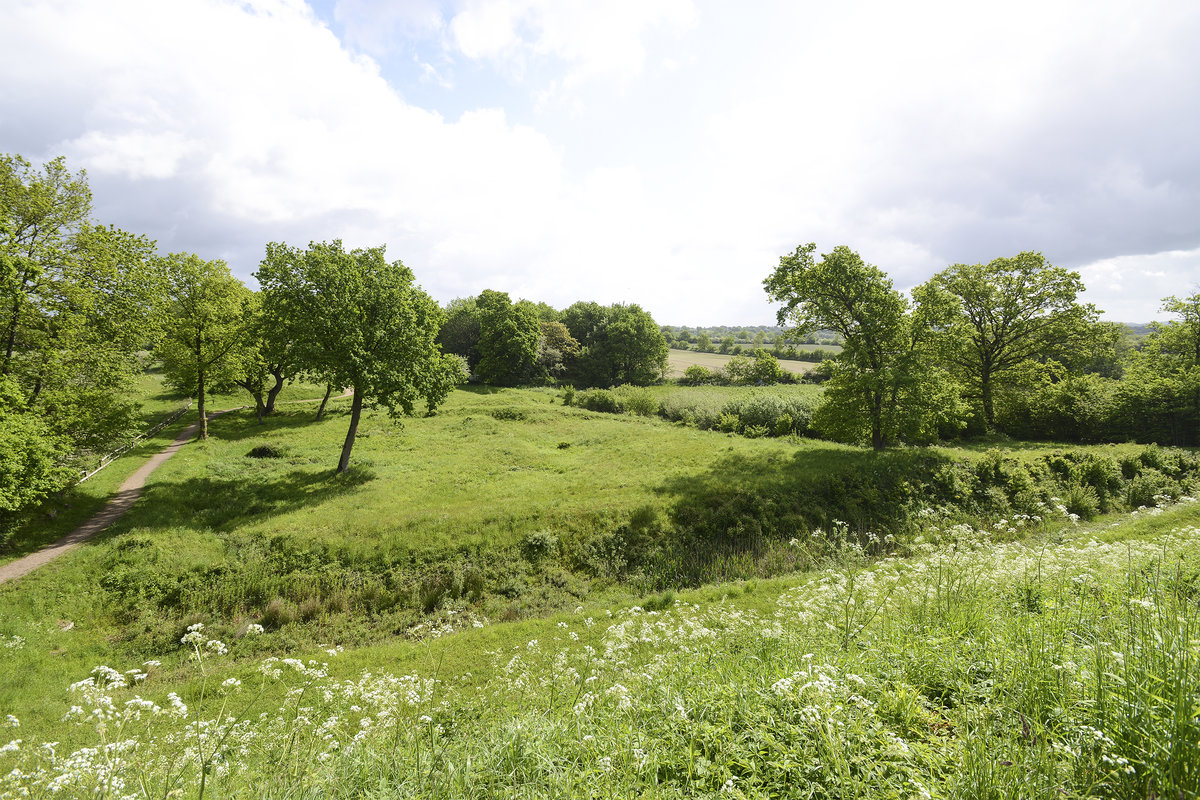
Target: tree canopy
x=209, y=312
x=618, y=344
x=1009, y=311
x=360, y=322
x=883, y=386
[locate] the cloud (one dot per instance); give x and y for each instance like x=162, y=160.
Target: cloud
x=665, y=153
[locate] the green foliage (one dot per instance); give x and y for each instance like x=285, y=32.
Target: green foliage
x=602, y=400
x=508, y=340
x=460, y=332
x=1008, y=312
x=31, y=459
x=365, y=324
x=207, y=336
x=882, y=388
x=700, y=375
x=618, y=344
x=79, y=302
x=636, y=400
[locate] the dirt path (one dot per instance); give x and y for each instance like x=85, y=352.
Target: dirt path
x=126, y=495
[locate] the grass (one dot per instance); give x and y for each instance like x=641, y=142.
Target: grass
x=1059, y=666
x=64, y=513
x=508, y=510
x=680, y=360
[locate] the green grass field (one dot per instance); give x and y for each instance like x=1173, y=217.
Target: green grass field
x=476, y=555
x=680, y=360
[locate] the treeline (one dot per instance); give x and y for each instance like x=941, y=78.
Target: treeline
x=86, y=308
x=982, y=348
x=587, y=344
x=727, y=340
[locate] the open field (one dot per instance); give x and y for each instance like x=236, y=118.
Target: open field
x=680, y=360
x=509, y=510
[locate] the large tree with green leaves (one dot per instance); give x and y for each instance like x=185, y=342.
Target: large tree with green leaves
x=209, y=313
x=79, y=302
x=618, y=344
x=266, y=360
x=1009, y=311
x=360, y=322
x=883, y=388
x=508, y=339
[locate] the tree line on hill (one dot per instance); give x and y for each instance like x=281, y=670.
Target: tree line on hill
x=727, y=340
x=979, y=348
x=510, y=344
x=85, y=309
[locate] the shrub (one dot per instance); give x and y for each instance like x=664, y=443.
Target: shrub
x=538, y=544
x=514, y=414
x=266, y=451
x=699, y=375
x=1082, y=501
x=568, y=396
x=729, y=423
x=637, y=400
x=599, y=400
x=278, y=613
x=783, y=425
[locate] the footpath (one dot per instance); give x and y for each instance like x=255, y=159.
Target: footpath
x=122, y=501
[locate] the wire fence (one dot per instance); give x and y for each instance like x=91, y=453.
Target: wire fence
x=115, y=454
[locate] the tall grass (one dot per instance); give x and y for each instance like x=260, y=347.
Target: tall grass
x=973, y=670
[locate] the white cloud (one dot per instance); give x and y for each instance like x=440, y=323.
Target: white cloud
x=1131, y=288
x=662, y=152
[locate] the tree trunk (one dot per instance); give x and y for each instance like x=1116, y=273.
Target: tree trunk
x=878, y=440
x=200, y=404
x=324, y=400
x=985, y=390
x=259, y=406
x=273, y=392
x=355, y=413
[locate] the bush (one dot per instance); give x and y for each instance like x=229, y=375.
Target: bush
x=637, y=400
x=568, y=396
x=601, y=400
x=278, y=613
x=698, y=375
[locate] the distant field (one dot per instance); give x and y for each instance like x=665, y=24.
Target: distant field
x=679, y=360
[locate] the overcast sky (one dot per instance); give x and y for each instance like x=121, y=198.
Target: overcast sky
x=660, y=152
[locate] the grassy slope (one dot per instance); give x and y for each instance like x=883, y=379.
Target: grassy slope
x=979, y=680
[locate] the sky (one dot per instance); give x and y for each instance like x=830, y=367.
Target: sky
x=659, y=152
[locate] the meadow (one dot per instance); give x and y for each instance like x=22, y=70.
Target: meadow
x=679, y=360
x=519, y=597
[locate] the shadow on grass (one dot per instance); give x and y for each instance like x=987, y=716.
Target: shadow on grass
x=212, y=502
x=743, y=497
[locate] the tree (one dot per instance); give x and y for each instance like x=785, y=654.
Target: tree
x=78, y=304
x=208, y=317
x=31, y=459
x=618, y=344
x=508, y=339
x=1010, y=310
x=880, y=383
x=703, y=344
x=556, y=348
x=266, y=359
x=366, y=325
x=460, y=332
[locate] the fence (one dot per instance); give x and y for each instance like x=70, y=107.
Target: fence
x=115, y=454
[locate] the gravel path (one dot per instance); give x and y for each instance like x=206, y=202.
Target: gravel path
x=121, y=502
x=126, y=494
